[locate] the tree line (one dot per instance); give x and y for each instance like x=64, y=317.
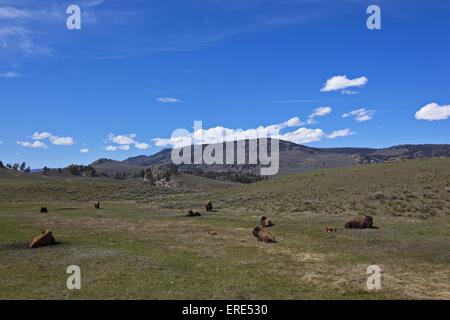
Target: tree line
x=22, y=167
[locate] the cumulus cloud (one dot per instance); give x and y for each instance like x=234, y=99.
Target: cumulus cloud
x=321, y=111
x=62, y=141
x=122, y=139
x=219, y=134
x=433, y=112
x=303, y=135
x=168, y=100
x=39, y=138
x=85, y=150
x=337, y=83
x=41, y=135
x=360, y=115
x=318, y=112
x=293, y=122
x=123, y=142
x=36, y=144
x=142, y=146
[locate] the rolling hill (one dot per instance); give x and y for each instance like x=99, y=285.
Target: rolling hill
x=293, y=158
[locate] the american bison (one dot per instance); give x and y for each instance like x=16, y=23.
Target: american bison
x=44, y=210
x=360, y=222
x=263, y=235
x=193, y=214
x=45, y=239
x=265, y=222
x=209, y=206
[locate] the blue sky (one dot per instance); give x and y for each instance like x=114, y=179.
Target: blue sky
x=139, y=69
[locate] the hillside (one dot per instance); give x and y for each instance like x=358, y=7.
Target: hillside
x=293, y=158
x=19, y=187
x=418, y=187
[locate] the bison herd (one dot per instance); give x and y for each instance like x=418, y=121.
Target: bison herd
x=261, y=232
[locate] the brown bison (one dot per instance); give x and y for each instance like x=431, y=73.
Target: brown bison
x=45, y=239
x=44, y=210
x=265, y=222
x=209, y=206
x=97, y=205
x=360, y=222
x=193, y=214
x=263, y=235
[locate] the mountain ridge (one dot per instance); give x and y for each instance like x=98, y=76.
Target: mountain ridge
x=293, y=158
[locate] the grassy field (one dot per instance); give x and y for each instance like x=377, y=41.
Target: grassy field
x=140, y=245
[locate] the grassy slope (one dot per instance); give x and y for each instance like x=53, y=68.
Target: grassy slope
x=142, y=247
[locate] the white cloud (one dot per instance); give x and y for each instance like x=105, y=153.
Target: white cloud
x=433, y=112
x=293, y=122
x=303, y=135
x=85, y=150
x=220, y=134
x=142, y=146
x=56, y=140
x=360, y=115
x=168, y=100
x=41, y=135
x=35, y=144
x=342, y=82
x=115, y=148
x=122, y=138
x=176, y=142
x=123, y=142
x=62, y=141
x=1, y=142
x=320, y=112
x=10, y=74
x=340, y=133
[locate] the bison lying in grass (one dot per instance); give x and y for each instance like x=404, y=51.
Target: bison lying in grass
x=263, y=235
x=360, y=222
x=45, y=239
x=193, y=214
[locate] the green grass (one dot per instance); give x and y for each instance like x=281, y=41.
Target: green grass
x=140, y=245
